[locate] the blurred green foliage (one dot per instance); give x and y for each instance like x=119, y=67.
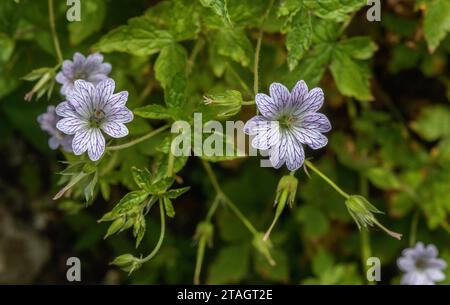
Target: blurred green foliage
x=387, y=92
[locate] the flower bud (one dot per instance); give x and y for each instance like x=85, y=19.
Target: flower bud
x=263, y=246
x=228, y=104
x=362, y=211
x=127, y=262
x=205, y=230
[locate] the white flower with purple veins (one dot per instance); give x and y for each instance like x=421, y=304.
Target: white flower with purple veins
x=421, y=265
x=90, y=109
x=287, y=121
x=48, y=121
x=91, y=69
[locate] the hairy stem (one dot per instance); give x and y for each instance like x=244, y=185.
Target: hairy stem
x=139, y=140
x=161, y=235
x=51, y=16
x=326, y=179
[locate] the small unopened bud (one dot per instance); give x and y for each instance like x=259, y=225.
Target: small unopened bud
x=286, y=192
x=46, y=81
x=263, y=247
x=229, y=103
x=362, y=212
x=205, y=230
x=127, y=262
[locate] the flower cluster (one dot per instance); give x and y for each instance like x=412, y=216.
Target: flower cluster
x=288, y=120
x=421, y=265
x=48, y=121
x=91, y=106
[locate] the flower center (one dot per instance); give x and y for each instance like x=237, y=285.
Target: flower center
x=421, y=264
x=79, y=74
x=286, y=121
x=97, y=118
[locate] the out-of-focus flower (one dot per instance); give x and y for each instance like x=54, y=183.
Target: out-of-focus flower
x=288, y=120
x=91, y=69
x=421, y=265
x=48, y=121
x=90, y=109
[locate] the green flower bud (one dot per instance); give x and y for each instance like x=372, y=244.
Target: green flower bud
x=127, y=262
x=362, y=211
x=229, y=103
x=263, y=246
x=205, y=230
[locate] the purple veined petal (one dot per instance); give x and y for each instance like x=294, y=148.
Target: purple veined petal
x=298, y=94
x=406, y=264
x=115, y=130
x=82, y=98
x=65, y=110
x=67, y=88
x=267, y=138
x=71, y=125
x=119, y=115
x=116, y=101
x=315, y=121
x=67, y=69
x=256, y=124
x=53, y=142
x=276, y=154
x=313, y=102
x=96, y=78
x=295, y=155
x=61, y=78
x=431, y=251
x=104, y=91
x=280, y=95
x=96, y=144
x=78, y=60
x=266, y=105
x=102, y=69
x=435, y=275
x=437, y=263
x=415, y=278
x=80, y=141
x=94, y=60
x=312, y=138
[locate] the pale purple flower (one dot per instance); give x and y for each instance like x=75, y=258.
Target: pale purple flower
x=288, y=120
x=90, y=109
x=421, y=265
x=48, y=121
x=91, y=69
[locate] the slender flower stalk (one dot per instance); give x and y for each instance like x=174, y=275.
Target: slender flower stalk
x=51, y=16
x=140, y=139
x=161, y=234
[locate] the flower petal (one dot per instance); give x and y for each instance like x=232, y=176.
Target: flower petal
x=298, y=93
x=267, y=106
x=295, y=154
x=71, y=125
x=80, y=141
x=435, y=275
x=96, y=144
x=117, y=100
x=115, y=130
x=256, y=124
x=67, y=69
x=315, y=121
x=279, y=94
x=65, y=109
x=312, y=102
x=53, y=142
x=437, y=263
x=83, y=97
x=415, y=278
x=120, y=115
x=406, y=264
x=78, y=60
x=104, y=91
x=278, y=152
x=268, y=137
x=312, y=138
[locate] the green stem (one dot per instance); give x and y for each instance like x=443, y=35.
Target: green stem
x=195, y=51
x=414, y=225
x=161, y=235
x=202, y=242
x=326, y=179
x=279, y=210
x=248, y=103
x=139, y=140
x=227, y=200
x=51, y=16
x=258, y=50
x=366, y=250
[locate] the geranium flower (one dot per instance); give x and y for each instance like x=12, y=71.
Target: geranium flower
x=90, y=109
x=91, y=69
x=421, y=265
x=48, y=121
x=287, y=121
